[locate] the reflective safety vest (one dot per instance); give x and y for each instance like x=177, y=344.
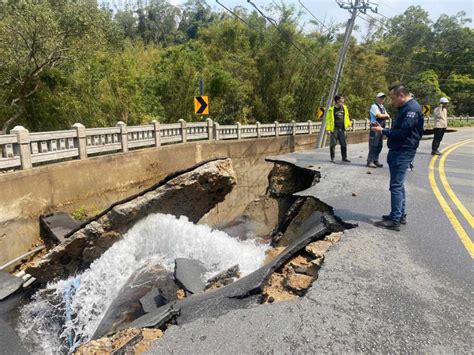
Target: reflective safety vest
x=330, y=119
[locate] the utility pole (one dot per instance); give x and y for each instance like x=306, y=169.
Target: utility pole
x=353, y=6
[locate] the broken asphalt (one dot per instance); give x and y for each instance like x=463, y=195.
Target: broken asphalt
x=378, y=291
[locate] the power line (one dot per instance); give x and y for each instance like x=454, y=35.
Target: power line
x=388, y=6
x=280, y=8
x=318, y=20
x=285, y=35
x=250, y=25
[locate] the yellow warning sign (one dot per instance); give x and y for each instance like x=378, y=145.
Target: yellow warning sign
x=426, y=109
x=320, y=111
x=201, y=105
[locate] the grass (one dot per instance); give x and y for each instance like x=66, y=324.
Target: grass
x=461, y=123
x=80, y=214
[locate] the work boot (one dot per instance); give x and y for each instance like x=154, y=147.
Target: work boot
x=344, y=154
x=377, y=164
x=371, y=165
x=388, y=224
x=437, y=152
x=403, y=220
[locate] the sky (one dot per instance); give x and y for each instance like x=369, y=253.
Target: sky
x=329, y=11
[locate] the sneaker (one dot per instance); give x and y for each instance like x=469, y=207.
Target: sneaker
x=403, y=220
x=332, y=161
x=378, y=165
x=436, y=153
x=388, y=224
x=346, y=160
x=371, y=165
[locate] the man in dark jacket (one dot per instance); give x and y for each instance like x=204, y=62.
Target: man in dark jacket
x=403, y=140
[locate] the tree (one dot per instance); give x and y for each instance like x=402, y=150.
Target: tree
x=38, y=36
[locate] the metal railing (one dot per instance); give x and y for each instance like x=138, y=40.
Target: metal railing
x=23, y=150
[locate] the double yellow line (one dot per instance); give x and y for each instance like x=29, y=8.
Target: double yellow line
x=461, y=232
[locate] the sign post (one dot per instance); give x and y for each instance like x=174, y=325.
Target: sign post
x=201, y=103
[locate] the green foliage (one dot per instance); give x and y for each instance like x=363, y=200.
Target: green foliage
x=64, y=61
x=461, y=123
x=426, y=88
x=79, y=214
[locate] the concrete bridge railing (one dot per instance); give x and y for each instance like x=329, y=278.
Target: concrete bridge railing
x=22, y=149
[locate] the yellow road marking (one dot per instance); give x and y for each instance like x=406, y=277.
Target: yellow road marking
x=447, y=210
x=467, y=215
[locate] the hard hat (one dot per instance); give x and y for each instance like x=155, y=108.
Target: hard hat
x=443, y=100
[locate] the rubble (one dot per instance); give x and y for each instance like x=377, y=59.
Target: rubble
x=191, y=193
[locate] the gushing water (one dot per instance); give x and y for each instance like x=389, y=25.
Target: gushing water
x=66, y=313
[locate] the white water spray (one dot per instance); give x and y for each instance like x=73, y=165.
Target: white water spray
x=49, y=322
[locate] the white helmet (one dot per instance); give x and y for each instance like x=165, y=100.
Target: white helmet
x=443, y=100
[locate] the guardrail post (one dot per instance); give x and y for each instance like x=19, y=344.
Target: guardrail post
x=123, y=135
x=156, y=129
x=259, y=132
x=216, y=131
x=239, y=130
x=81, y=139
x=210, y=128
x=23, y=137
x=293, y=128
x=277, y=129
x=184, y=133
x=309, y=126
x=353, y=125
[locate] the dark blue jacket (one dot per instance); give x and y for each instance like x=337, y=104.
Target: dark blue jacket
x=407, y=128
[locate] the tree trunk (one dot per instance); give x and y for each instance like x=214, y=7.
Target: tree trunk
x=8, y=123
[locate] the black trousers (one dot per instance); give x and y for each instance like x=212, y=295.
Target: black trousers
x=438, y=137
x=338, y=135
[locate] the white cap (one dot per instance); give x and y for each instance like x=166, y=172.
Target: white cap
x=443, y=100
x=380, y=94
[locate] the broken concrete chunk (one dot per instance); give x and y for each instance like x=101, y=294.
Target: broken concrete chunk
x=152, y=300
x=223, y=278
x=286, y=179
x=275, y=290
x=128, y=306
x=240, y=294
x=9, y=284
x=298, y=283
x=189, y=274
x=180, y=294
x=191, y=193
x=334, y=237
x=54, y=227
x=129, y=341
x=318, y=248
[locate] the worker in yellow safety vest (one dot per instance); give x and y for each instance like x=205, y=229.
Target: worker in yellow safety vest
x=337, y=122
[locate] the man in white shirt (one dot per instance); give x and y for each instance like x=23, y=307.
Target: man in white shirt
x=377, y=114
x=441, y=123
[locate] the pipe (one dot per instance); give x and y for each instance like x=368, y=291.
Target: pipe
x=31, y=252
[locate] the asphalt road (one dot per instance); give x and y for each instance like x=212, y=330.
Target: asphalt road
x=378, y=291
